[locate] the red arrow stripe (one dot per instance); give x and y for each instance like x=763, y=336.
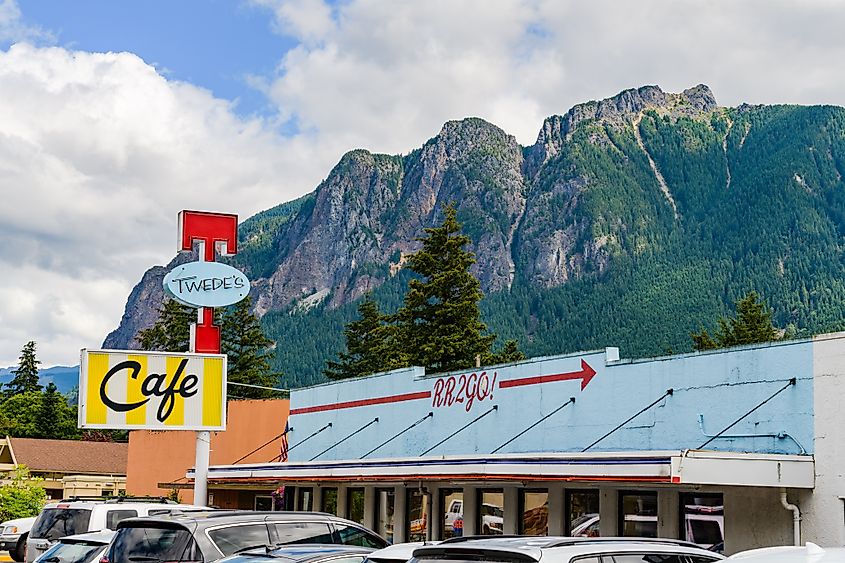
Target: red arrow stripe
x=364, y=402
x=585, y=374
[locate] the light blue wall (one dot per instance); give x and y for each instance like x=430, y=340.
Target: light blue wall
x=722, y=386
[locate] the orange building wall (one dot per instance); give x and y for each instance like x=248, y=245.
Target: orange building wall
x=164, y=456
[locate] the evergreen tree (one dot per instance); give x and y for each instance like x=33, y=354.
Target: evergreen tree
x=249, y=351
x=371, y=345
x=510, y=352
x=26, y=374
x=752, y=324
x=171, y=332
x=440, y=321
x=49, y=412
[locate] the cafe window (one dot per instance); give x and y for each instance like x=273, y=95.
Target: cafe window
x=305, y=499
x=385, y=504
x=452, y=505
x=417, y=525
x=263, y=502
x=355, y=504
x=582, y=512
x=491, y=512
x=328, y=503
x=703, y=519
x=638, y=514
x=534, y=507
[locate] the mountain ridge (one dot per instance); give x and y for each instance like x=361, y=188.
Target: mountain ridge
x=644, y=181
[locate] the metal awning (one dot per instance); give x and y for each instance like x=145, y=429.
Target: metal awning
x=688, y=467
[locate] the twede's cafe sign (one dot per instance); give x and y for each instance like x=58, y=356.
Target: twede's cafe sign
x=152, y=390
x=136, y=390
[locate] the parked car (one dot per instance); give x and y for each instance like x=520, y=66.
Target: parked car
x=81, y=548
x=13, y=536
x=528, y=549
x=212, y=535
x=302, y=554
x=397, y=553
x=810, y=553
x=492, y=518
x=72, y=516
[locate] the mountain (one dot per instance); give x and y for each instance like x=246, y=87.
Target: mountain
x=631, y=221
x=66, y=378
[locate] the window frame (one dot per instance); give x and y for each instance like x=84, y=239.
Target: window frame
x=567, y=506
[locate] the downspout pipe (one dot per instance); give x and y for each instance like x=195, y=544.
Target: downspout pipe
x=796, y=517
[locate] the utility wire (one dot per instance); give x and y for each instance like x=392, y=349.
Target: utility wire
x=470, y=423
x=791, y=382
x=267, y=443
x=569, y=402
x=420, y=421
x=258, y=387
x=668, y=393
x=373, y=421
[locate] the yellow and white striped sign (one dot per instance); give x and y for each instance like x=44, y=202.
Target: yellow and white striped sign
x=132, y=390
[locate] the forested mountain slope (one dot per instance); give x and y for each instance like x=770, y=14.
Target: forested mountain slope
x=630, y=222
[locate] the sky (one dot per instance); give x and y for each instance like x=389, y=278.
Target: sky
x=116, y=115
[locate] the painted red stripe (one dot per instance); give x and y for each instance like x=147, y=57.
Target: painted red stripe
x=540, y=379
x=364, y=402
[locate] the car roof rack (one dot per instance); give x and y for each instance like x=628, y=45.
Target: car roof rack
x=562, y=541
x=117, y=499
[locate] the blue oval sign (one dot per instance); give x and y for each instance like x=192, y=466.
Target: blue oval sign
x=206, y=284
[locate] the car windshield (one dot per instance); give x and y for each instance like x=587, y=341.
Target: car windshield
x=72, y=553
x=142, y=544
x=55, y=523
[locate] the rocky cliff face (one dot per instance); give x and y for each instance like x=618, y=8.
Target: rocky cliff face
x=529, y=211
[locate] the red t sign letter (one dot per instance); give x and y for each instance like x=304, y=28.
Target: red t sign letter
x=213, y=230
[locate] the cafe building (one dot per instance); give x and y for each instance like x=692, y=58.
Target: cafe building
x=731, y=449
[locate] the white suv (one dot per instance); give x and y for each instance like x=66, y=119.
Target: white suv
x=72, y=516
x=531, y=549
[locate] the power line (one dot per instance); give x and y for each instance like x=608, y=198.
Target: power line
x=258, y=387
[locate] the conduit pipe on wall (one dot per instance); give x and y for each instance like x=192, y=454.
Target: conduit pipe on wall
x=796, y=517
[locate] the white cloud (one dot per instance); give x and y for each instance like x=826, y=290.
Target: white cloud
x=98, y=153
x=12, y=27
x=387, y=75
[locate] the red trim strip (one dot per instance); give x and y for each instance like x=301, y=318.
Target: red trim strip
x=364, y=402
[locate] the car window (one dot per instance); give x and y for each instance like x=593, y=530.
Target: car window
x=72, y=552
x=701, y=559
x=132, y=545
x=587, y=560
x=55, y=523
x=115, y=516
x=236, y=538
x=644, y=558
x=303, y=532
x=350, y=535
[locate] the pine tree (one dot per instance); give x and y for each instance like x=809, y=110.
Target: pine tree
x=510, y=352
x=752, y=324
x=371, y=345
x=26, y=374
x=49, y=411
x=440, y=321
x=249, y=351
x=171, y=332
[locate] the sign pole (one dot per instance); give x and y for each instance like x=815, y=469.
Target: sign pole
x=203, y=439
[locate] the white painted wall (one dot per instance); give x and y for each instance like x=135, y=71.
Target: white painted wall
x=823, y=514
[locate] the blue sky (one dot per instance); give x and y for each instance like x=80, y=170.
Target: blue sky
x=116, y=114
x=215, y=44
